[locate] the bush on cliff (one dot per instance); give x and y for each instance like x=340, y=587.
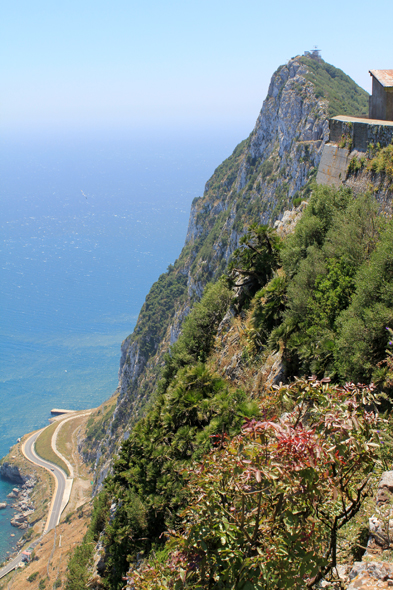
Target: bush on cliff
x=266, y=508
x=326, y=262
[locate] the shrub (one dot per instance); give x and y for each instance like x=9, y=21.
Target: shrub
x=356, y=164
x=333, y=240
x=77, y=570
x=32, y=577
x=382, y=162
x=296, y=202
x=266, y=168
x=363, y=337
x=198, y=330
x=78, y=573
x=268, y=306
x=267, y=508
x=68, y=518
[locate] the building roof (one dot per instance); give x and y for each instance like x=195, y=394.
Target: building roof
x=384, y=77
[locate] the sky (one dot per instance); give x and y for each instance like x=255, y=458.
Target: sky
x=151, y=65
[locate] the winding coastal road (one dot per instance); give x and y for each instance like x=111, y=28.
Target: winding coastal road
x=56, y=506
x=60, y=476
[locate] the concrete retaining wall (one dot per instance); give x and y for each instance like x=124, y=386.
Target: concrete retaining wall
x=333, y=165
x=359, y=133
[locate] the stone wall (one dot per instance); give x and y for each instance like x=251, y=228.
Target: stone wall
x=347, y=137
x=356, y=133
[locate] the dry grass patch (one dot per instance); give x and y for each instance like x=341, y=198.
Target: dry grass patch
x=97, y=424
x=43, y=448
x=64, y=438
x=52, y=554
x=236, y=358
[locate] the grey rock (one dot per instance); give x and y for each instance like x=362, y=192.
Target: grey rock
x=378, y=531
x=11, y=473
x=366, y=576
x=385, y=487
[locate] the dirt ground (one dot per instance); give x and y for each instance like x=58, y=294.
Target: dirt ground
x=67, y=443
x=51, y=556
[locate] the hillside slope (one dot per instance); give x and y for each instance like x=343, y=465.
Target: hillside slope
x=269, y=169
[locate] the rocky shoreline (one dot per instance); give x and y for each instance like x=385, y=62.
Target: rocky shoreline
x=20, y=495
x=23, y=504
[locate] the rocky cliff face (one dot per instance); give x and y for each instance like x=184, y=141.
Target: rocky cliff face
x=254, y=185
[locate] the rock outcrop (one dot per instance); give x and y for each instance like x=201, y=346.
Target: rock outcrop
x=370, y=575
x=11, y=473
x=23, y=505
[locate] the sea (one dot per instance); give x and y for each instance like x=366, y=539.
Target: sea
x=88, y=222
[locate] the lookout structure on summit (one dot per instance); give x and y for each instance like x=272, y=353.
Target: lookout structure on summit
x=381, y=100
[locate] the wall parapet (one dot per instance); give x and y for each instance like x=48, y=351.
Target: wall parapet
x=356, y=133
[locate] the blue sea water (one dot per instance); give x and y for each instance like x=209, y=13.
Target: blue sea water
x=87, y=225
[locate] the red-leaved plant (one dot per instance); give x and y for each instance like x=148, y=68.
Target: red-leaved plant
x=266, y=507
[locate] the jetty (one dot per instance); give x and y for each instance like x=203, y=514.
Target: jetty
x=58, y=412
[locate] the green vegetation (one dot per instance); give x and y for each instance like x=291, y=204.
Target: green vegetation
x=225, y=174
x=266, y=168
x=378, y=161
x=214, y=489
x=254, y=262
x=198, y=331
x=158, y=309
x=98, y=423
x=44, y=449
x=382, y=162
x=68, y=518
x=218, y=472
x=296, y=202
x=344, y=95
x=32, y=577
x=267, y=507
x=78, y=573
x=356, y=164
x=328, y=262
x=223, y=212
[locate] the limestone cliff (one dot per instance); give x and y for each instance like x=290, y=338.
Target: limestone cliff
x=254, y=185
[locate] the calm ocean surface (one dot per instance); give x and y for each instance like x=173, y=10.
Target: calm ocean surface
x=86, y=227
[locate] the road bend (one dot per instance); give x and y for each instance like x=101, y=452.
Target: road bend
x=55, y=509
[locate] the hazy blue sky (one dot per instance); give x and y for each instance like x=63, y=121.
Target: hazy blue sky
x=148, y=64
